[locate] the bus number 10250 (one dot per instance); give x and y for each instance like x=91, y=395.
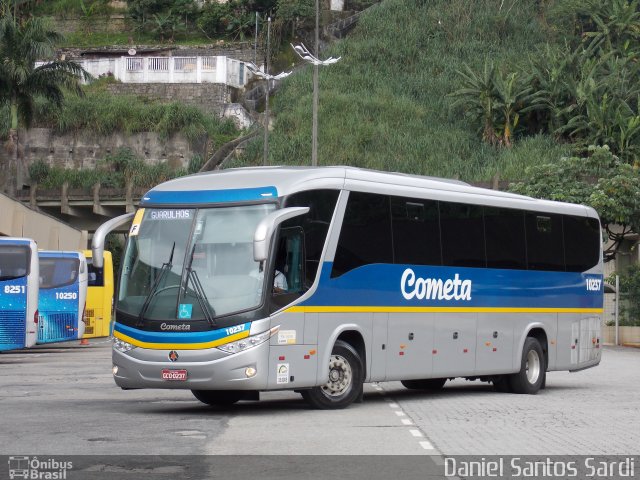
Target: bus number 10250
x=66, y=296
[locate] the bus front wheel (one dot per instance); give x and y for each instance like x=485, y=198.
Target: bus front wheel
x=218, y=398
x=533, y=369
x=344, y=384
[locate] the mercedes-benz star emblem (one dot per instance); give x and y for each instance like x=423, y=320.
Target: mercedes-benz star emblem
x=173, y=356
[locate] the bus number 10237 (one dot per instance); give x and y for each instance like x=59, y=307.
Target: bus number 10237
x=66, y=296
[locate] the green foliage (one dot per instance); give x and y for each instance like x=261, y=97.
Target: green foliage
x=585, y=91
x=291, y=14
x=103, y=114
x=165, y=19
x=115, y=171
x=384, y=105
x=234, y=19
x=630, y=290
x=494, y=100
x=601, y=180
x=195, y=164
x=21, y=82
x=71, y=8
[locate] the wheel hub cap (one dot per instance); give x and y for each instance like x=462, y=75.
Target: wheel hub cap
x=340, y=376
x=532, y=366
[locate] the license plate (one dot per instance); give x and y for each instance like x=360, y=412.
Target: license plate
x=174, y=375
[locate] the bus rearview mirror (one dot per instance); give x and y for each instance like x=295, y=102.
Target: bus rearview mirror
x=97, y=243
x=266, y=227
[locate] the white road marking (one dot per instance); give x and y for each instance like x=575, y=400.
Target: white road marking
x=400, y=413
x=406, y=421
x=426, y=445
x=416, y=433
x=393, y=405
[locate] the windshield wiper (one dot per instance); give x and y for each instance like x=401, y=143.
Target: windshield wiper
x=163, y=271
x=198, y=290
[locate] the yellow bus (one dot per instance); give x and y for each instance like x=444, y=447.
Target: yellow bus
x=99, y=297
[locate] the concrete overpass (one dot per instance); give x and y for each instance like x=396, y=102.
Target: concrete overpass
x=84, y=209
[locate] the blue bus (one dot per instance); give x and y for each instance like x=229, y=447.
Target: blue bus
x=63, y=293
x=18, y=292
x=321, y=279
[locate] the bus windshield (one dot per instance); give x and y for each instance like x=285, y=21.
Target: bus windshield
x=183, y=264
x=14, y=261
x=58, y=272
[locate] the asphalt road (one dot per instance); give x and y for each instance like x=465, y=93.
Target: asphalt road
x=61, y=400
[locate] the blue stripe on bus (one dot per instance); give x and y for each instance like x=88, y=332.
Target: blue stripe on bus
x=380, y=285
x=161, y=197
x=176, y=337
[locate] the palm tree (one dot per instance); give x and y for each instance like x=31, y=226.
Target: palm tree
x=478, y=98
x=22, y=43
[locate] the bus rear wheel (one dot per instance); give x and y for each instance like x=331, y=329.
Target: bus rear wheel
x=218, y=398
x=533, y=369
x=426, y=384
x=344, y=384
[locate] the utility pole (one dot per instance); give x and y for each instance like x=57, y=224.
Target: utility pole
x=304, y=53
x=265, y=153
x=314, y=127
x=255, y=44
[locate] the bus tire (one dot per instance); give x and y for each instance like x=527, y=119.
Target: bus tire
x=426, y=384
x=218, y=398
x=344, y=385
x=533, y=368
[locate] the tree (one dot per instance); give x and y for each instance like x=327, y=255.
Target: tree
x=601, y=180
x=495, y=100
x=22, y=43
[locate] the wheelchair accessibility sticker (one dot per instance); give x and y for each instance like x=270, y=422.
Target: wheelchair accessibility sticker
x=184, y=311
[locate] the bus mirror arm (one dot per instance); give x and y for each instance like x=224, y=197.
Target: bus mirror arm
x=268, y=225
x=97, y=243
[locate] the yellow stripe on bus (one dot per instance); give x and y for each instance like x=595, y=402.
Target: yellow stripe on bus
x=350, y=309
x=180, y=346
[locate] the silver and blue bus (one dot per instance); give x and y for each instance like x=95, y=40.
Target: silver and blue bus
x=18, y=293
x=63, y=294
x=321, y=279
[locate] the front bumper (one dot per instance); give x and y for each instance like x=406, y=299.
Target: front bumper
x=207, y=369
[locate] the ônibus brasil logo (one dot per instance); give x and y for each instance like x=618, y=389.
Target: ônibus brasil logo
x=36, y=469
x=434, y=288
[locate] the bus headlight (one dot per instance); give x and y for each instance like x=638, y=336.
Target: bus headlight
x=249, y=342
x=121, y=346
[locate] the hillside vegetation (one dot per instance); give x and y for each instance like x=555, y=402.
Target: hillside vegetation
x=388, y=103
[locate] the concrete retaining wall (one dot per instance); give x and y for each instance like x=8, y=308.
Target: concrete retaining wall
x=83, y=150
x=627, y=335
x=49, y=233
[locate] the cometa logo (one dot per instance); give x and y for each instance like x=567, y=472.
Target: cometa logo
x=434, y=288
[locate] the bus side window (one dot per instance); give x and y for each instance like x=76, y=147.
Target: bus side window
x=544, y=241
x=462, y=230
x=288, y=272
x=365, y=237
x=416, y=231
x=581, y=243
x=505, y=236
x=315, y=223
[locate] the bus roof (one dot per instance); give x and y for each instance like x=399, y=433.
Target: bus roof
x=17, y=241
x=59, y=254
x=264, y=183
